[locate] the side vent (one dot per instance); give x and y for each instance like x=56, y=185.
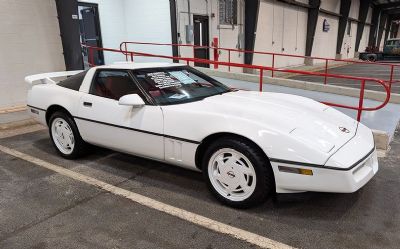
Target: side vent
x=173, y=150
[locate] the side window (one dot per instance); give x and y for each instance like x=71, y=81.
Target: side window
x=73, y=82
x=113, y=84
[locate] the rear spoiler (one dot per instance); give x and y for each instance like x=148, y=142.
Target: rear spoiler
x=46, y=78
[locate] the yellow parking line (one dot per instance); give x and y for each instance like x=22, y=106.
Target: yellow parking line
x=199, y=220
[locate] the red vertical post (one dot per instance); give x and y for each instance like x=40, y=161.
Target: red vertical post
x=131, y=56
x=194, y=53
x=273, y=65
x=91, y=57
x=229, y=60
x=126, y=52
x=326, y=71
x=361, y=100
x=391, y=77
x=261, y=79
x=215, y=52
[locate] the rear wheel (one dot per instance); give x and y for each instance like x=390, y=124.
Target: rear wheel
x=237, y=173
x=65, y=136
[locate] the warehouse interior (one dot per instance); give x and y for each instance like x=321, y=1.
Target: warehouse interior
x=342, y=54
x=328, y=29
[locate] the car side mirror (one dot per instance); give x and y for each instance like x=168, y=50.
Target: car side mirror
x=133, y=100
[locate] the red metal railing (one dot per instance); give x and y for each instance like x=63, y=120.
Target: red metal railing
x=360, y=108
x=124, y=47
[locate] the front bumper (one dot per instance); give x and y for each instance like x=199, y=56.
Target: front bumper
x=346, y=171
x=326, y=179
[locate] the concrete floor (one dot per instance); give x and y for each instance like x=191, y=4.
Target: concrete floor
x=42, y=209
x=359, y=70
x=13, y=117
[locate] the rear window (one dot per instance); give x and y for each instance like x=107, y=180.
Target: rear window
x=73, y=82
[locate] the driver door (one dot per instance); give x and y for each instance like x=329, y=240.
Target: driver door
x=103, y=122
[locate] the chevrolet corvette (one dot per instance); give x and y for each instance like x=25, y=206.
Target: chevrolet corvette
x=248, y=144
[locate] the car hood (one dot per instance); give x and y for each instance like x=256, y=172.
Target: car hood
x=308, y=121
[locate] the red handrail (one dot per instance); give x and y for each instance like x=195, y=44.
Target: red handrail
x=274, y=55
x=360, y=108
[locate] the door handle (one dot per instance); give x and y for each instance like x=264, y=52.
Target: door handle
x=87, y=104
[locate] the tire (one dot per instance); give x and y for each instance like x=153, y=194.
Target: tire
x=372, y=58
x=231, y=163
x=65, y=136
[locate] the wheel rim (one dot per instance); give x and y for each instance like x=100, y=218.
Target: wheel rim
x=232, y=174
x=63, y=136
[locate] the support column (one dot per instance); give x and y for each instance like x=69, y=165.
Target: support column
x=67, y=12
x=250, y=27
x=388, y=28
x=343, y=20
x=313, y=12
x=372, y=32
x=392, y=29
x=382, y=25
x=362, y=17
x=174, y=28
x=395, y=30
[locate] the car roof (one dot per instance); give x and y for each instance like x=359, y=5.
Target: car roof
x=139, y=65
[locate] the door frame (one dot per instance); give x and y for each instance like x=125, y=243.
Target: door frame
x=97, y=23
x=205, y=17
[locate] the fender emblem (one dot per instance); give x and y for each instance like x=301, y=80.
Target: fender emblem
x=344, y=129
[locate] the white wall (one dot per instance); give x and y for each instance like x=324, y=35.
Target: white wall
x=148, y=21
x=331, y=5
x=364, y=38
x=354, y=9
x=29, y=44
x=365, y=35
x=281, y=28
x=382, y=42
x=228, y=37
x=134, y=20
x=398, y=33
x=349, y=40
x=325, y=42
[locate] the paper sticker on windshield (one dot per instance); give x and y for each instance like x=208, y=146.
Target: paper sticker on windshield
x=178, y=96
x=163, y=80
x=182, y=77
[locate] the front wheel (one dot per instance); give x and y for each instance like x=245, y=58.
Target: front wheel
x=65, y=136
x=237, y=172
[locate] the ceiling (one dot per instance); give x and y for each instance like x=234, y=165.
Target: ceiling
x=390, y=7
x=387, y=4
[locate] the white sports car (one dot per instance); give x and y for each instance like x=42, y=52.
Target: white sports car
x=247, y=144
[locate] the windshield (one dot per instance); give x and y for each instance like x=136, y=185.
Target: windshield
x=173, y=85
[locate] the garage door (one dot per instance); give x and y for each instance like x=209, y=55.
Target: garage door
x=281, y=29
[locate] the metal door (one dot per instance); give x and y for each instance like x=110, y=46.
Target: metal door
x=90, y=33
x=201, y=38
